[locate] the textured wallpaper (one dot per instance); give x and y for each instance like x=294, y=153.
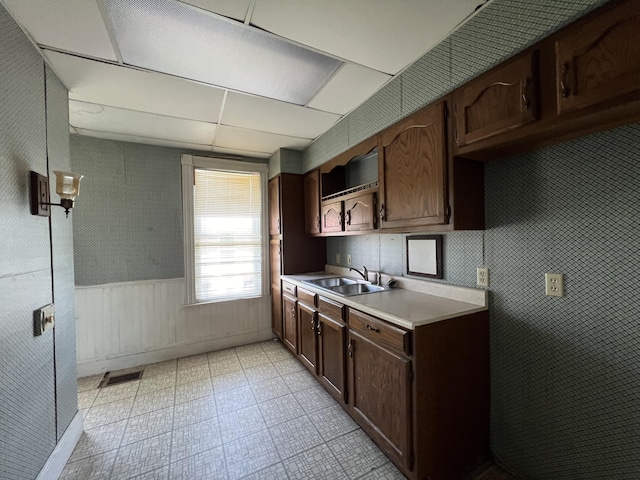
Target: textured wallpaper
x=128, y=219
x=31, y=418
x=565, y=398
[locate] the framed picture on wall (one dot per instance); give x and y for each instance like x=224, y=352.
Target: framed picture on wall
x=424, y=255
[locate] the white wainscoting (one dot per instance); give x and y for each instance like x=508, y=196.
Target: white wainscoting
x=127, y=324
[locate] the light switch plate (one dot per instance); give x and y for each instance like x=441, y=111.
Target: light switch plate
x=43, y=319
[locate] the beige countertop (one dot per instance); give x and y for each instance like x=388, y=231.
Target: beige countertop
x=414, y=303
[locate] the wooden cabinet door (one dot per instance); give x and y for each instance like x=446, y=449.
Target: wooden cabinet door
x=274, y=206
x=331, y=361
x=275, y=247
x=497, y=102
x=276, y=312
x=307, y=329
x=289, y=323
x=412, y=165
x=599, y=61
x=312, y=203
x=360, y=213
x=380, y=396
x=332, y=217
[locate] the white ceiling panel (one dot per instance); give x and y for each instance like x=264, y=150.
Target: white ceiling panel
x=144, y=140
x=351, y=86
x=242, y=139
x=242, y=153
x=73, y=25
x=236, y=9
x=130, y=122
x=386, y=35
x=117, y=86
x=271, y=116
x=170, y=37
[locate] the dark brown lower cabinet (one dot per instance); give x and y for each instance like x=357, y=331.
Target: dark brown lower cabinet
x=380, y=396
x=289, y=323
x=308, y=337
x=422, y=395
x=331, y=361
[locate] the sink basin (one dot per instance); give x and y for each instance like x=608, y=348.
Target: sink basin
x=357, y=289
x=345, y=286
x=331, y=282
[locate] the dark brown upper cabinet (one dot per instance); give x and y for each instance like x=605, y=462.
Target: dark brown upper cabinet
x=503, y=99
x=348, y=187
x=274, y=206
x=588, y=80
x=598, y=62
x=412, y=166
x=312, y=203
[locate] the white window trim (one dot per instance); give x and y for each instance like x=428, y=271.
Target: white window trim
x=189, y=163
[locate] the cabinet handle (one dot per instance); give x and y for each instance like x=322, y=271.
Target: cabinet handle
x=525, y=91
x=348, y=216
x=313, y=325
x=565, y=91
x=369, y=327
x=293, y=313
x=340, y=219
x=278, y=224
x=350, y=348
x=319, y=329
x=382, y=212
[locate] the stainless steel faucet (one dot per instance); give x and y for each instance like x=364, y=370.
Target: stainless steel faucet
x=364, y=273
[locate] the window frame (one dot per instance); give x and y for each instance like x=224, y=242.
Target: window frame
x=189, y=164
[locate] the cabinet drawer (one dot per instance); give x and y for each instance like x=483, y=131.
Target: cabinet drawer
x=290, y=288
x=380, y=331
x=307, y=297
x=330, y=308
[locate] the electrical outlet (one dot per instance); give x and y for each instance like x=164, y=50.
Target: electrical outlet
x=348, y=259
x=554, y=284
x=337, y=258
x=482, y=277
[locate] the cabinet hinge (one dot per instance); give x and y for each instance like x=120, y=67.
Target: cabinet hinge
x=447, y=211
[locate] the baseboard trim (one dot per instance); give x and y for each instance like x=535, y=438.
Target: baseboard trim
x=102, y=365
x=63, y=450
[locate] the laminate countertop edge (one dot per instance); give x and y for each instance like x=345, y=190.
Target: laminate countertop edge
x=403, y=307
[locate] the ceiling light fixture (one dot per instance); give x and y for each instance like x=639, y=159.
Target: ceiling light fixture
x=67, y=186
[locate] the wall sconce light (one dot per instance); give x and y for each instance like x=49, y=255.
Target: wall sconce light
x=67, y=186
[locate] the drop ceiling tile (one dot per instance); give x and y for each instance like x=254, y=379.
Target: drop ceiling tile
x=242, y=153
x=170, y=37
x=351, y=86
x=236, y=9
x=386, y=35
x=252, y=140
x=91, y=116
x=73, y=25
x=118, y=86
x=257, y=113
x=144, y=140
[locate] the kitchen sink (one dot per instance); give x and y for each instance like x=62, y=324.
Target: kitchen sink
x=331, y=282
x=345, y=286
x=357, y=289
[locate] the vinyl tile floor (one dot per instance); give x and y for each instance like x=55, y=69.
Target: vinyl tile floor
x=250, y=412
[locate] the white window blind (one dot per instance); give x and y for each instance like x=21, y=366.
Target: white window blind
x=227, y=227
